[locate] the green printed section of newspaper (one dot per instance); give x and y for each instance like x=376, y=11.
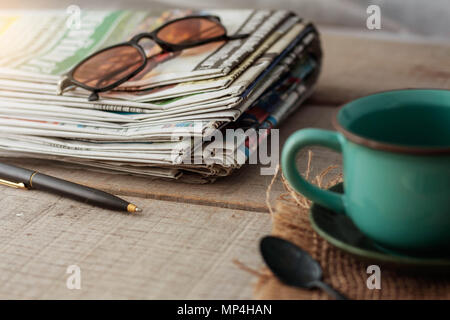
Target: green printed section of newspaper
x=75, y=44
x=94, y=41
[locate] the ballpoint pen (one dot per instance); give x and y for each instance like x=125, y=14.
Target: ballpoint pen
x=21, y=178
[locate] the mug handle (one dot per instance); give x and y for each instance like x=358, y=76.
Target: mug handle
x=299, y=140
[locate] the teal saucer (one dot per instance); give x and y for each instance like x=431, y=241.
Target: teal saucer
x=340, y=231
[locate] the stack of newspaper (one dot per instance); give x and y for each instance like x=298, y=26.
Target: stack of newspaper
x=154, y=124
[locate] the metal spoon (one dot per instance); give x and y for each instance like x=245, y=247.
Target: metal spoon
x=294, y=266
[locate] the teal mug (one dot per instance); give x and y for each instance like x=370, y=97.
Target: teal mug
x=396, y=165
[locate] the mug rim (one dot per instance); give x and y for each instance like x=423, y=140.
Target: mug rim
x=386, y=146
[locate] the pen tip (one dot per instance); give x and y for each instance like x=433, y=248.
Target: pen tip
x=132, y=208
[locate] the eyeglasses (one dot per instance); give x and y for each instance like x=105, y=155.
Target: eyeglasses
x=112, y=66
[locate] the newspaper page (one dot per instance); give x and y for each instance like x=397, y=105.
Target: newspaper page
x=39, y=45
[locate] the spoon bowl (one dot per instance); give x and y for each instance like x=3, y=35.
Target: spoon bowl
x=293, y=265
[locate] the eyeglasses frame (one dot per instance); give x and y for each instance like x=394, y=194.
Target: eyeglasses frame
x=69, y=80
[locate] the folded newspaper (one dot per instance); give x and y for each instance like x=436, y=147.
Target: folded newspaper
x=161, y=122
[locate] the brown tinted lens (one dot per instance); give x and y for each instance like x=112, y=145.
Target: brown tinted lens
x=109, y=66
x=191, y=30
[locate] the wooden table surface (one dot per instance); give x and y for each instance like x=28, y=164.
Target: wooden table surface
x=184, y=243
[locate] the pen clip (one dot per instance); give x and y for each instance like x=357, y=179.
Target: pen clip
x=19, y=185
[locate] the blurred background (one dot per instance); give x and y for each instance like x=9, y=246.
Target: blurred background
x=411, y=20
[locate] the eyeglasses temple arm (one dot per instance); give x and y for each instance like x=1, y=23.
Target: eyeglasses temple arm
x=63, y=84
x=238, y=36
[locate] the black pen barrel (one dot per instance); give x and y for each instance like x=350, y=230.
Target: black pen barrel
x=78, y=192
x=15, y=174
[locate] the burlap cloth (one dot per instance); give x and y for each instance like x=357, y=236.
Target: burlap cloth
x=343, y=271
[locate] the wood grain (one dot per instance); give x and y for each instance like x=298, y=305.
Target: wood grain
x=169, y=251
x=354, y=67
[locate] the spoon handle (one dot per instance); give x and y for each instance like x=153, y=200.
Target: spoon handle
x=332, y=292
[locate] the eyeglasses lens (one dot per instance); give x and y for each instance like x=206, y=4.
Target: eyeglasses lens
x=190, y=31
x=109, y=66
